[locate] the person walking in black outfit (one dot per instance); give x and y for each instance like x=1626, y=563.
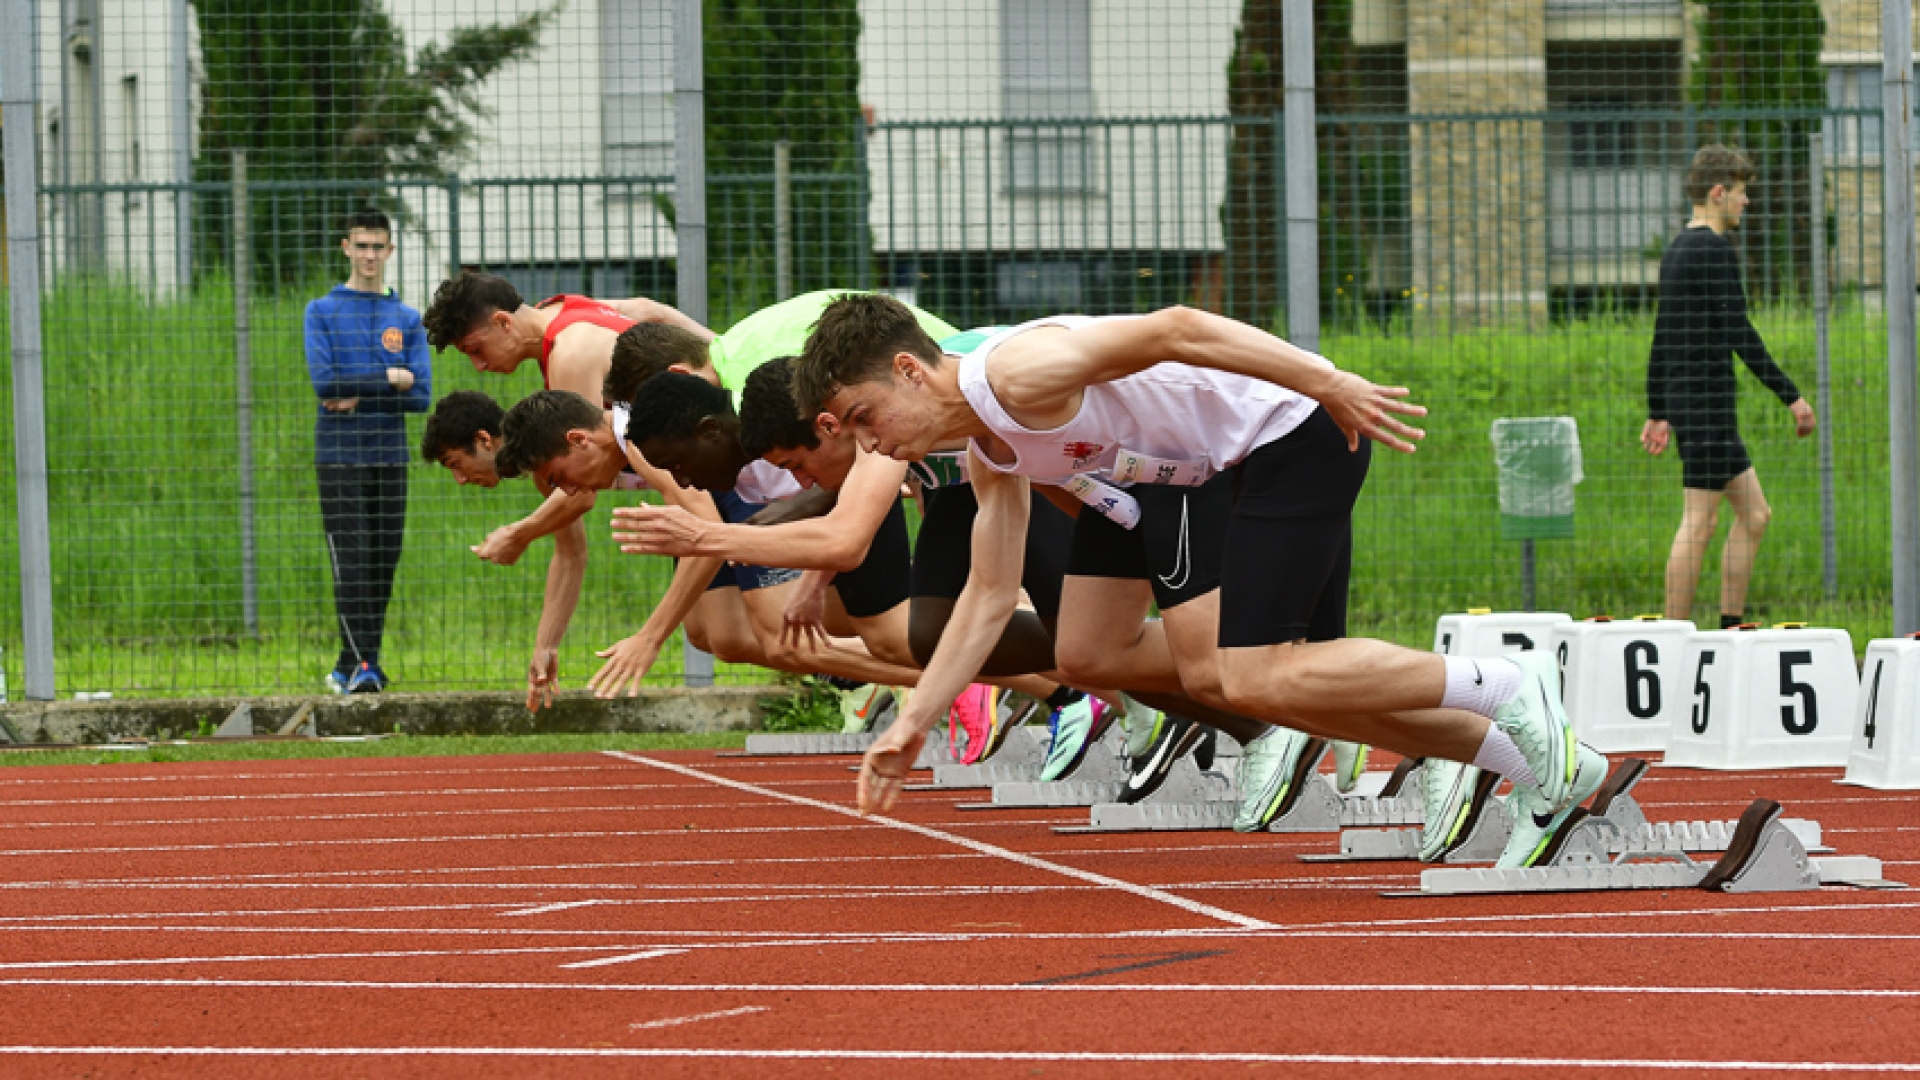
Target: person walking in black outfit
x=1701, y=323
x=367, y=358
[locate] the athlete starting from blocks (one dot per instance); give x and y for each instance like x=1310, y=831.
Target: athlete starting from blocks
x=1171, y=402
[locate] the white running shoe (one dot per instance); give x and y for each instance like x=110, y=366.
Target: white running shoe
x=1452, y=795
x=1142, y=724
x=1273, y=770
x=1537, y=821
x=1349, y=761
x=1537, y=723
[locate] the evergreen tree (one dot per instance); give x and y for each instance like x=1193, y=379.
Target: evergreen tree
x=1765, y=54
x=328, y=90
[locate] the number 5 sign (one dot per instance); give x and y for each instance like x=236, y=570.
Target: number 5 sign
x=1765, y=699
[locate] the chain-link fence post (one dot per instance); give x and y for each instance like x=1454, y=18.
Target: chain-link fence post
x=690, y=211
x=1903, y=393
x=1823, y=361
x=19, y=114
x=243, y=391
x=1303, y=179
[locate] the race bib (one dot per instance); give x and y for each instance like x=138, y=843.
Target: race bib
x=1132, y=468
x=936, y=471
x=1113, y=504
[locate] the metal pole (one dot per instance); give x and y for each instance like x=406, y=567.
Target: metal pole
x=1822, y=351
x=782, y=220
x=1903, y=382
x=690, y=208
x=1303, y=178
x=182, y=145
x=1526, y=575
x=243, y=389
x=19, y=116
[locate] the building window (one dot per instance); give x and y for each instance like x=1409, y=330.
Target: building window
x=636, y=84
x=1605, y=142
x=1047, y=74
x=1857, y=86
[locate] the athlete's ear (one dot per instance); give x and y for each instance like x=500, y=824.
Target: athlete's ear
x=708, y=428
x=484, y=441
x=501, y=319
x=827, y=424
x=579, y=438
x=907, y=366
x=680, y=369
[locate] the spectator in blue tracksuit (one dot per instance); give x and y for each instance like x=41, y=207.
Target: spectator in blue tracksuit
x=367, y=358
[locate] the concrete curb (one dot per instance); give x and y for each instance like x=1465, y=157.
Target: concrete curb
x=732, y=708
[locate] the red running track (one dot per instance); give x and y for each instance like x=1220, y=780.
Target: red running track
x=687, y=914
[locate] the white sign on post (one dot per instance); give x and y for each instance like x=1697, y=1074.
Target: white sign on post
x=1885, y=750
x=1620, y=679
x=1764, y=699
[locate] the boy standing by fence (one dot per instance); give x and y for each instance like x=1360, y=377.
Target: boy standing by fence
x=1701, y=323
x=367, y=359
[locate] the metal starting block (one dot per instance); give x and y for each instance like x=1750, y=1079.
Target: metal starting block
x=1099, y=779
x=1211, y=803
x=812, y=743
x=1763, y=855
x=1019, y=759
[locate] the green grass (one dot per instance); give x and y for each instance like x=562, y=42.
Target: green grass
x=395, y=746
x=145, y=508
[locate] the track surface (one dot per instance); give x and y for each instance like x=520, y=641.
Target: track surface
x=686, y=914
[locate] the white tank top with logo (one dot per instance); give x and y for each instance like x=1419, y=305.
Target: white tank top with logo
x=1169, y=424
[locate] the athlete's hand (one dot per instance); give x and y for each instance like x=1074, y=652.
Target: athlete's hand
x=1654, y=435
x=811, y=503
x=657, y=530
x=502, y=547
x=1363, y=409
x=543, y=678
x=805, y=620
x=884, y=768
x=1803, y=418
x=627, y=663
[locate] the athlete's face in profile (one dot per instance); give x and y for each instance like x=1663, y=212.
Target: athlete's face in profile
x=825, y=465
x=475, y=465
x=583, y=466
x=490, y=345
x=697, y=462
x=890, y=416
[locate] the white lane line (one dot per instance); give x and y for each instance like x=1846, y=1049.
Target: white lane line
x=1194, y=907
x=123, y=779
x=570, y=834
x=676, y=1021
x=625, y=958
x=274, y=958
x=304, y=819
x=546, y=908
x=1558, y=1064
x=282, y=796
x=1275, y=989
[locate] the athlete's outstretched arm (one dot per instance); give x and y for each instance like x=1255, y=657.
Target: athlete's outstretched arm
x=979, y=617
x=1039, y=374
x=641, y=309
x=838, y=541
x=629, y=659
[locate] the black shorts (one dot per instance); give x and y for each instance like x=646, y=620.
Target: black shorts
x=880, y=583
x=1289, y=549
x=1711, y=458
x=943, y=554
x=1176, y=547
x=745, y=577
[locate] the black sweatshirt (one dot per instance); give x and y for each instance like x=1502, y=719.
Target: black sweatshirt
x=1703, y=321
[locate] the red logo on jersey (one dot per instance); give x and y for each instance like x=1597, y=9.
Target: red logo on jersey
x=1082, y=452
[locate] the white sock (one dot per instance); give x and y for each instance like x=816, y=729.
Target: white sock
x=1479, y=684
x=1499, y=754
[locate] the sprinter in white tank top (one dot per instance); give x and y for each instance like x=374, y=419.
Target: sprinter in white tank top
x=1065, y=394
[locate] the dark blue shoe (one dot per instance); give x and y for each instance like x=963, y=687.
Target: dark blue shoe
x=337, y=681
x=367, y=679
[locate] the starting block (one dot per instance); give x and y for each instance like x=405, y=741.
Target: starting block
x=1362, y=839
x=1621, y=679
x=1762, y=855
x=1884, y=751
x=1099, y=779
x=1762, y=699
x=816, y=743
x=1483, y=632
x=1019, y=758
x=1195, y=801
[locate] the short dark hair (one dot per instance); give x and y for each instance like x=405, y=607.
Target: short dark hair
x=646, y=349
x=534, y=431
x=1715, y=165
x=464, y=302
x=671, y=406
x=367, y=218
x=457, y=421
x=769, y=420
x=855, y=341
